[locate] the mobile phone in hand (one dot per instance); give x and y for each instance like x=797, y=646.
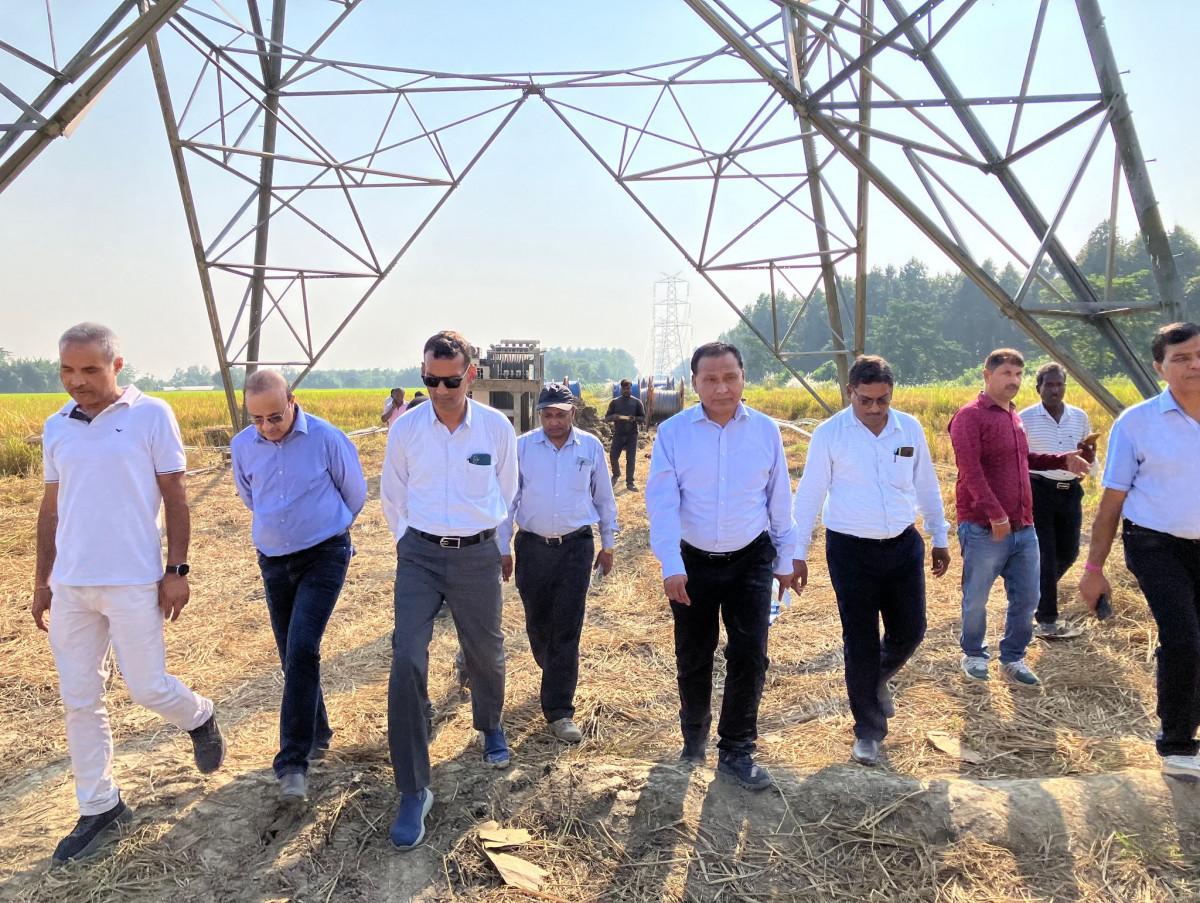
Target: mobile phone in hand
x=1104, y=609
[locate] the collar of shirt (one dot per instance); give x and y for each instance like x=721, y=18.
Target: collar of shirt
x=986, y=401
x=698, y=413
x=572, y=439
x=892, y=425
x=127, y=397
x=430, y=415
x=1168, y=402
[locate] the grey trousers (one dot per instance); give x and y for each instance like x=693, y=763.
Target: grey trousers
x=468, y=581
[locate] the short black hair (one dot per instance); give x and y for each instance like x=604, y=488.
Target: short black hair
x=1002, y=356
x=1048, y=368
x=447, y=345
x=1171, y=334
x=870, y=368
x=715, y=349
x=625, y=383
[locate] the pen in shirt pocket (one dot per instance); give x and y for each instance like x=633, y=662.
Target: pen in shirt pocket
x=904, y=451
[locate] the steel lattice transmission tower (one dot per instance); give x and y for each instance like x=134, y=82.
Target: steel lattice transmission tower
x=671, y=328
x=307, y=174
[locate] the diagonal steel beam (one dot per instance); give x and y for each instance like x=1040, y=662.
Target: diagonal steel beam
x=829, y=130
x=148, y=23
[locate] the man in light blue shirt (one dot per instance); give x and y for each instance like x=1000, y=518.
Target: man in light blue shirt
x=720, y=504
x=302, y=479
x=1151, y=478
x=449, y=476
x=869, y=473
x=562, y=489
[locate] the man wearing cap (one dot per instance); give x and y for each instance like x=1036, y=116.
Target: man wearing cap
x=112, y=458
x=449, y=476
x=720, y=504
x=625, y=413
x=302, y=479
x=561, y=492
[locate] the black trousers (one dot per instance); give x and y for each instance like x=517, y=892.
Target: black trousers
x=738, y=590
x=627, y=444
x=553, y=583
x=1057, y=519
x=875, y=579
x=1167, y=569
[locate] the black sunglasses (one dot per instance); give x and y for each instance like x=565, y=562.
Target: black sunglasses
x=450, y=382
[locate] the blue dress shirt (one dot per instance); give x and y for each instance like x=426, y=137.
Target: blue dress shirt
x=560, y=490
x=1152, y=456
x=448, y=484
x=718, y=488
x=303, y=489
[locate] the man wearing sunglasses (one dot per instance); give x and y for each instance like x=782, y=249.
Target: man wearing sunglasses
x=449, y=477
x=302, y=479
x=869, y=474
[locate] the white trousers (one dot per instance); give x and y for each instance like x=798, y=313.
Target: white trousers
x=85, y=621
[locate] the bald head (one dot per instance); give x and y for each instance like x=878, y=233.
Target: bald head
x=261, y=382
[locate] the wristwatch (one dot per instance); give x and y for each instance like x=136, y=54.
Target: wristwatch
x=179, y=569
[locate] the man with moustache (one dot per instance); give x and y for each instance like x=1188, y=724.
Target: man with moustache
x=720, y=504
x=869, y=474
x=112, y=459
x=1150, y=481
x=449, y=476
x=995, y=516
x=302, y=479
x=1054, y=427
x=561, y=492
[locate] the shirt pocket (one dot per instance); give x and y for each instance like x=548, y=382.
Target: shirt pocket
x=901, y=473
x=579, y=478
x=477, y=480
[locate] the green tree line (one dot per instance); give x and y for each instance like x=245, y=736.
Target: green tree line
x=937, y=327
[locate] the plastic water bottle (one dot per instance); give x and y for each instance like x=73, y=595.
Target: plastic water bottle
x=777, y=604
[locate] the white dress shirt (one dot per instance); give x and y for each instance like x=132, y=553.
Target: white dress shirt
x=560, y=490
x=1048, y=436
x=1152, y=456
x=429, y=482
x=862, y=486
x=718, y=488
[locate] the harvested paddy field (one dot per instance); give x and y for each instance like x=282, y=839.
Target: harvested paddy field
x=985, y=793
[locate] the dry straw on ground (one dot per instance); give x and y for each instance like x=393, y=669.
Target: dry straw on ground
x=615, y=818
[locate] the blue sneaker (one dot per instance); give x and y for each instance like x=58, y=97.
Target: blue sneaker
x=495, y=749
x=741, y=767
x=408, y=830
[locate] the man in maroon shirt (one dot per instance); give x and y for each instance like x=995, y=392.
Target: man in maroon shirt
x=995, y=516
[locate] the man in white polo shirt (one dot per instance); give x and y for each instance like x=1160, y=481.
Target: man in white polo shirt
x=1055, y=427
x=449, y=476
x=1150, y=481
x=112, y=458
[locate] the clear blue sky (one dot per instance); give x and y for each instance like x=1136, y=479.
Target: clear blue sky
x=538, y=242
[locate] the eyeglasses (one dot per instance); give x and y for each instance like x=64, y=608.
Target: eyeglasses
x=873, y=402
x=273, y=419
x=450, y=382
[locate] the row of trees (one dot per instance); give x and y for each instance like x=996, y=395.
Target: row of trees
x=588, y=365
x=935, y=327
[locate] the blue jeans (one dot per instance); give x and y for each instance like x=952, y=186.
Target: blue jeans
x=302, y=589
x=1017, y=560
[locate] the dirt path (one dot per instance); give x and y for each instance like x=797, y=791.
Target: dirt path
x=1058, y=802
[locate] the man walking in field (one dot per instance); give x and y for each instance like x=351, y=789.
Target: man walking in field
x=995, y=516
x=302, y=479
x=626, y=414
x=112, y=457
x=449, y=476
x=720, y=504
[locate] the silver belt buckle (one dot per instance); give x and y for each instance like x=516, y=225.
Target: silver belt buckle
x=450, y=542
x=1063, y=485
x=554, y=540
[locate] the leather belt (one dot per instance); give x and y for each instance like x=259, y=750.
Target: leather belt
x=1055, y=483
x=557, y=540
x=722, y=556
x=457, y=542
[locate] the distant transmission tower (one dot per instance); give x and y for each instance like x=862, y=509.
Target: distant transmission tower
x=671, y=330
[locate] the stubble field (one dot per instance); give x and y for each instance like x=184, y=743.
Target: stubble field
x=986, y=792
